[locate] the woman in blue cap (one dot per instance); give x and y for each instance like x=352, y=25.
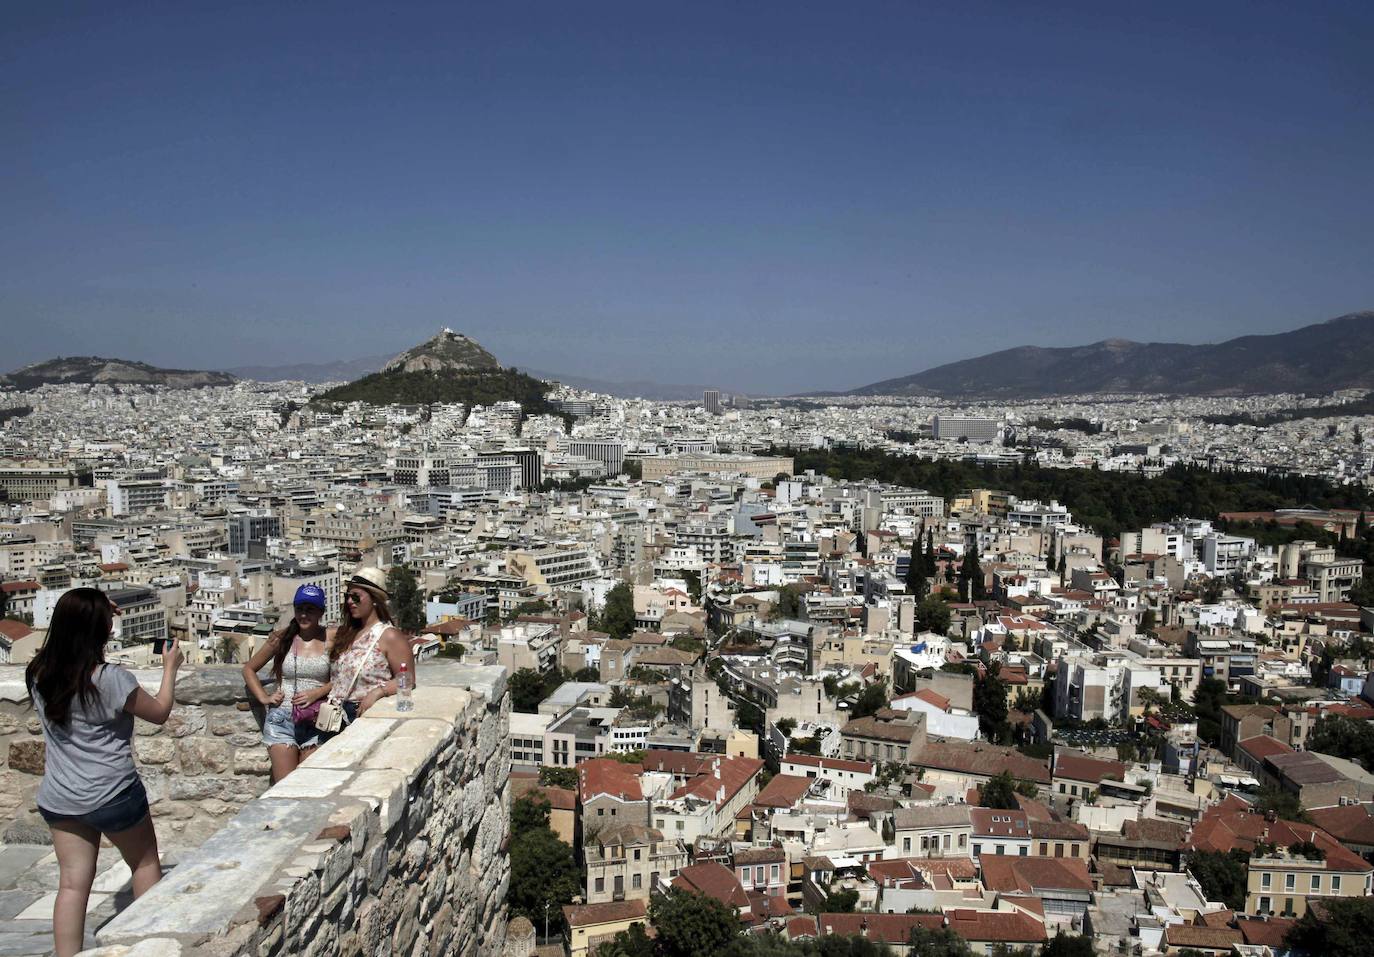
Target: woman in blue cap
x=300, y=664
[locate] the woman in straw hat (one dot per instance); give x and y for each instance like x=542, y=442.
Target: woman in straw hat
x=368, y=653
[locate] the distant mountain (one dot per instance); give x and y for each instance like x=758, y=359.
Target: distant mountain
x=93, y=370
x=343, y=370
x=447, y=368
x=1336, y=354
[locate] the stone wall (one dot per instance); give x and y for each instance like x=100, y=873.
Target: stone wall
x=200, y=768
x=391, y=839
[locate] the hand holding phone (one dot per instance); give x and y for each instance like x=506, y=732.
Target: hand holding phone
x=171, y=655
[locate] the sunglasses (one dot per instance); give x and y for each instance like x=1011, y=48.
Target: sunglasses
x=354, y=597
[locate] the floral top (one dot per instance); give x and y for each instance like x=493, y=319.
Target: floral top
x=365, y=659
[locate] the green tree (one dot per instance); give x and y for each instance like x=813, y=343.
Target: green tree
x=972, y=586
x=990, y=704
x=691, y=924
x=933, y=614
x=1068, y=945
x=1339, y=927
x=842, y=901
x=916, y=582
x=404, y=596
x=526, y=690
x=555, y=777
x=586, y=674
x=1221, y=875
x=1285, y=805
x=1345, y=738
x=542, y=870
x=944, y=942
x=870, y=699
x=618, y=614
x=999, y=792
x=1147, y=620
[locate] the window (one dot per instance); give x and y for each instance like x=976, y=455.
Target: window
x=1024, y=850
x=600, y=812
x=601, y=885
x=1316, y=882
x=963, y=840
x=906, y=845
x=1290, y=881
x=660, y=824
x=1058, y=849
x=1266, y=880
x=636, y=853
x=1044, y=849
x=681, y=826
x=1335, y=883
x=1287, y=906
x=773, y=872
x=1264, y=907
x=1074, y=848
x=635, y=881
x=977, y=849
x=1001, y=848
x=758, y=875
x=946, y=842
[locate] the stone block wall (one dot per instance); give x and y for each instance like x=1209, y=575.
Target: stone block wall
x=390, y=839
x=200, y=768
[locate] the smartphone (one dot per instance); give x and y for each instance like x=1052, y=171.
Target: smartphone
x=160, y=645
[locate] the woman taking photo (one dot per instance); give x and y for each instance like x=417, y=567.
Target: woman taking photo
x=300, y=667
x=367, y=653
x=90, y=786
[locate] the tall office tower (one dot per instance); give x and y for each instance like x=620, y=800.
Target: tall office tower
x=966, y=427
x=711, y=399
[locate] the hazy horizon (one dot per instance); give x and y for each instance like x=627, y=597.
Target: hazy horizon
x=776, y=199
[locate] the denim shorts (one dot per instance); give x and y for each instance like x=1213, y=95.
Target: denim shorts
x=121, y=812
x=281, y=728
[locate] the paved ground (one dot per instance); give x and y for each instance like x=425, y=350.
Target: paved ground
x=28, y=886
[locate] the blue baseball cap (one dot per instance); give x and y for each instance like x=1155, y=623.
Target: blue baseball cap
x=309, y=595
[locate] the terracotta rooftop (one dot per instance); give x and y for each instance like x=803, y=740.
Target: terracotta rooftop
x=1009, y=927
x=583, y=915
x=980, y=758
x=1076, y=767
x=603, y=776
x=713, y=880
x=784, y=790
x=887, y=928
x=1010, y=874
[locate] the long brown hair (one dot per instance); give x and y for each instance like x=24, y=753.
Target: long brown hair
x=61, y=672
x=288, y=639
x=347, y=632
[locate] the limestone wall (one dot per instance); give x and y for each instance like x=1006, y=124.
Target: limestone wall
x=200, y=768
x=391, y=839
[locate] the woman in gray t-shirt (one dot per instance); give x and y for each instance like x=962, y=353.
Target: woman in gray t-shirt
x=90, y=785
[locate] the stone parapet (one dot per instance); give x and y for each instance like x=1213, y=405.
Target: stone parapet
x=391, y=839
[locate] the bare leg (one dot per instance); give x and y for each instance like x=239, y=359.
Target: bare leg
x=285, y=758
x=76, y=846
x=138, y=845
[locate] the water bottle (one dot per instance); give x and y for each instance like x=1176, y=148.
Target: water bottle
x=403, y=700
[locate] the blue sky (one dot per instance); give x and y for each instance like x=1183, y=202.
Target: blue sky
x=767, y=197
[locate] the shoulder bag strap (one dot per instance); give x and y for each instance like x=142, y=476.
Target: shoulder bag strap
x=378, y=628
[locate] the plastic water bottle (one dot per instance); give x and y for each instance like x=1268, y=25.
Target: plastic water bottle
x=404, y=702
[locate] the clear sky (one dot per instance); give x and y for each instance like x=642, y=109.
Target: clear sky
x=766, y=197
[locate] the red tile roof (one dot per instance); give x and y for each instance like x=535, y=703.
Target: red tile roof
x=995, y=822
x=713, y=880
x=1076, y=767
x=1262, y=746
x=784, y=790
x=1010, y=927
x=735, y=773
x=1224, y=828
x=583, y=915
x=1034, y=875
x=888, y=928
x=603, y=776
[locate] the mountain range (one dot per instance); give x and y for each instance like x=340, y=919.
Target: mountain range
x=94, y=370
x=1336, y=354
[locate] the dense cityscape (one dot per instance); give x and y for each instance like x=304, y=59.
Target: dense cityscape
x=812, y=675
